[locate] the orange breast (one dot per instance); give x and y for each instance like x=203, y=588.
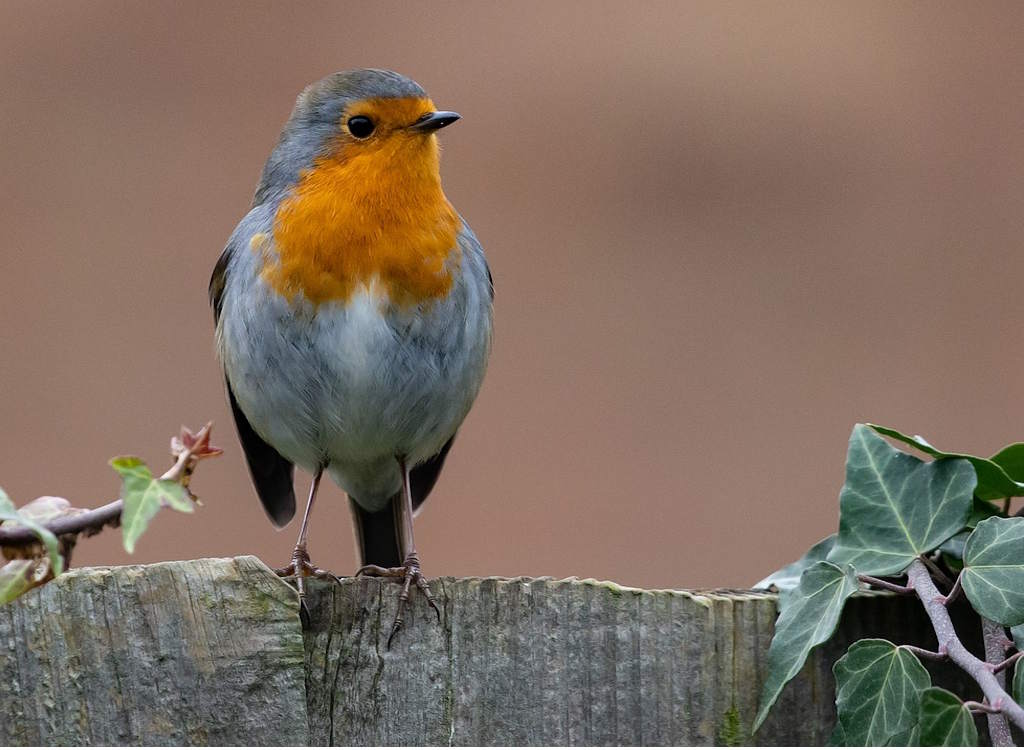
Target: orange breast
x=368, y=213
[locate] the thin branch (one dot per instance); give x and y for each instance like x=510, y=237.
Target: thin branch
x=1001, y=666
x=995, y=694
x=980, y=708
x=955, y=591
x=1006, y=505
x=882, y=584
x=994, y=636
x=923, y=653
x=188, y=450
x=937, y=571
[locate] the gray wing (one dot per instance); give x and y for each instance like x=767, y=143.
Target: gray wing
x=271, y=473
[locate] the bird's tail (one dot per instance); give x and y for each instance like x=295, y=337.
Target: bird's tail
x=377, y=536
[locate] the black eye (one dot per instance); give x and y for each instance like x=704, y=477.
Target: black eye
x=361, y=127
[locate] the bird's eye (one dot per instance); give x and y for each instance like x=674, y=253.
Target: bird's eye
x=361, y=127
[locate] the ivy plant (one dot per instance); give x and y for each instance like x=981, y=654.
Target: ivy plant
x=937, y=530
x=36, y=539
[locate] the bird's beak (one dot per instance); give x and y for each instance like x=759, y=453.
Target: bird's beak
x=432, y=121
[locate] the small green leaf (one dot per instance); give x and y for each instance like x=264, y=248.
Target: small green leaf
x=45, y=536
x=993, y=575
x=1017, y=633
x=16, y=577
x=894, y=507
x=994, y=483
x=143, y=496
x=808, y=616
x=945, y=721
x=5, y=502
x=878, y=691
x=789, y=577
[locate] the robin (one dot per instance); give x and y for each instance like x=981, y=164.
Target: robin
x=353, y=317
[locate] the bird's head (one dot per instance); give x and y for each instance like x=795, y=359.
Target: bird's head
x=371, y=121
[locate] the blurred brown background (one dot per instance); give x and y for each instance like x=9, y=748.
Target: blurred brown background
x=720, y=233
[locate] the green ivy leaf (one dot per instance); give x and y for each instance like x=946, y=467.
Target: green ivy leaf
x=893, y=506
x=878, y=691
x=143, y=496
x=907, y=738
x=1017, y=633
x=994, y=481
x=1011, y=460
x=808, y=616
x=16, y=577
x=945, y=721
x=993, y=571
x=788, y=577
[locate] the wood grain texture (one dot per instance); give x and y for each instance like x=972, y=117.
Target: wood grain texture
x=212, y=651
x=200, y=652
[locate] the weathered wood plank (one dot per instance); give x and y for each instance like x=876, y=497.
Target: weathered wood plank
x=203, y=652
x=212, y=651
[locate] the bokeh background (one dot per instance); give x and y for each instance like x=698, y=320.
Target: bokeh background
x=721, y=234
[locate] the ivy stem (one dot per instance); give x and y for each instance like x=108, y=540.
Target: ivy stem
x=997, y=668
x=955, y=591
x=937, y=571
x=995, y=653
x=980, y=708
x=887, y=585
x=996, y=696
x=92, y=521
x=923, y=653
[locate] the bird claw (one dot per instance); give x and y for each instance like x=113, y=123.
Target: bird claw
x=409, y=573
x=301, y=567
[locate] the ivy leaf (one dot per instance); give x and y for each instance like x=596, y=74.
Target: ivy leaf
x=143, y=496
x=808, y=616
x=994, y=481
x=1011, y=460
x=878, y=691
x=788, y=577
x=893, y=506
x=907, y=738
x=15, y=579
x=1017, y=633
x=994, y=570
x=945, y=721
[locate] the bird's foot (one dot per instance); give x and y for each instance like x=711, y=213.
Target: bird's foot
x=410, y=573
x=302, y=567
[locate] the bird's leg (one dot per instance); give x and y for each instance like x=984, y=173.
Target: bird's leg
x=409, y=571
x=301, y=566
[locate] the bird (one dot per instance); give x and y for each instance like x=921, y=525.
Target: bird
x=353, y=311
